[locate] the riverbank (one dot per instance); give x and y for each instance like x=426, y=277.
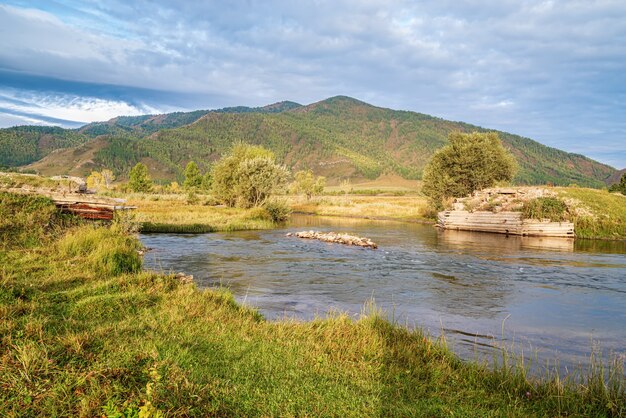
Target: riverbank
x=85, y=332
x=174, y=213
x=602, y=214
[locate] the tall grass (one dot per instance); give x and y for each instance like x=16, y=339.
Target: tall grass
x=27, y=221
x=105, y=250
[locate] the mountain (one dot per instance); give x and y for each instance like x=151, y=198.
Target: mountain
x=615, y=177
x=23, y=145
x=338, y=137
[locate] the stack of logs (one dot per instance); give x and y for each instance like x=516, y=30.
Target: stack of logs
x=336, y=238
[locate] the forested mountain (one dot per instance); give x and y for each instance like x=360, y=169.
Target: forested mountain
x=339, y=137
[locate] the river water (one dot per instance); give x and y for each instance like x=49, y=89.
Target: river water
x=548, y=298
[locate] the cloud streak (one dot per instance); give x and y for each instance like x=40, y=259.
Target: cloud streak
x=550, y=70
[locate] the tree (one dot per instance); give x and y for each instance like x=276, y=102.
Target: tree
x=247, y=176
x=306, y=183
x=139, y=179
x=469, y=162
x=95, y=181
x=207, y=180
x=193, y=178
x=107, y=177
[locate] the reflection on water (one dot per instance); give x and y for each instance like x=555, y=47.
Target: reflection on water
x=555, y=294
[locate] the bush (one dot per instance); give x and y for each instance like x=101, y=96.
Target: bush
x=545, y=208
x=278, y=210
x=107, y=250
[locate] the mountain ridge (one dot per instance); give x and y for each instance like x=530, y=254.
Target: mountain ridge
x=339, y=137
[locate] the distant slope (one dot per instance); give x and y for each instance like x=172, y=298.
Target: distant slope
x=339, y=137
x=24, y=144
x=615, y=177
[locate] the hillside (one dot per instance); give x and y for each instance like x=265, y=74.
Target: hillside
x=341, y=138
x=615, y=177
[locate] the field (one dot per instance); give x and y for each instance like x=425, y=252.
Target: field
x=401, y=208
x=85, y=333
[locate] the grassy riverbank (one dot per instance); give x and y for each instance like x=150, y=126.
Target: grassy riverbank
x=603, y=214
x=85, y=333
x=173, y=213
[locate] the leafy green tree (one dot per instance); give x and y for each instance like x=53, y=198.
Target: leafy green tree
x=139, y=179
x=307, y=183
x=619, y=187
x=207, y=180
x=469, y=162
x=247, y=176
x=193, y=178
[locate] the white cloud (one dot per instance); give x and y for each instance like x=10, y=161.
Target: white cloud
x=43, y=108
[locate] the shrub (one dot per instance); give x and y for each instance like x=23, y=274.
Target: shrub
x=278, y=210
x=545, y=207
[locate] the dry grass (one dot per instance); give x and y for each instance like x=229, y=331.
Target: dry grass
x=172, y=213
x=402, y=208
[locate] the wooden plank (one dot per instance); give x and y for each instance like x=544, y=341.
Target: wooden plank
x=504, y=223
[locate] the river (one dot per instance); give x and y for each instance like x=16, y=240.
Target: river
x=549, y=298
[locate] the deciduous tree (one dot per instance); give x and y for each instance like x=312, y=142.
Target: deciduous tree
x=307, y=183
x=247, y=176
x=469, y=162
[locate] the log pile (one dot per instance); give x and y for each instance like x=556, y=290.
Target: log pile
x=336, y=238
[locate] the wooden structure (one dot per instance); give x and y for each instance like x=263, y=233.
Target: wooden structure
x=510, y=223
x=85, y=205
x=90, y=208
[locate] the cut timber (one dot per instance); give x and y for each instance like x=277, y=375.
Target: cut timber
x=510, y=223
x=85, y=206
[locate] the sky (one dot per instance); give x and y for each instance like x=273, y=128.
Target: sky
x=553, y=71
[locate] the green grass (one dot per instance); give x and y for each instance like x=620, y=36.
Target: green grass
x=80, y=340
x=597, y=213
x=545, y=208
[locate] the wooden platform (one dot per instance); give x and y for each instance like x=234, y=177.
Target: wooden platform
x=510, y=223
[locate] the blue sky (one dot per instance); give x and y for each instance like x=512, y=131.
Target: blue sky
x=554, y=71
